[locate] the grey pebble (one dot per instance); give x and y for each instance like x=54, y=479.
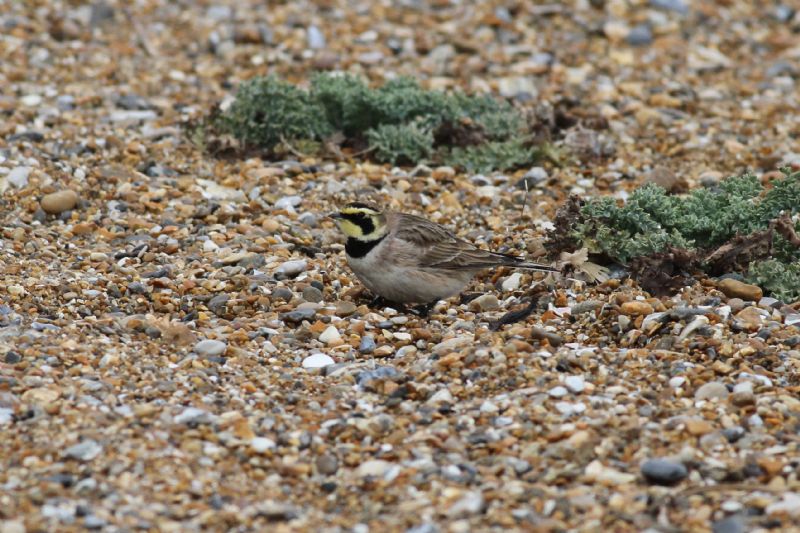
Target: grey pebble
x=367, y=344
x=84, y=451
x=663, y=471
x=312, y=294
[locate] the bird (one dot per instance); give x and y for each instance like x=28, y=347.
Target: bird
x=407, y=259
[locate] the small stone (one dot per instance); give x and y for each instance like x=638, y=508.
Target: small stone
x=18, y=177
x=327, y=464
x=743, y=394
x=210, y=348
x=710, y=390
x=698, y=426
x=789, y=506
x=442, y=396
x=733, y=288
x=317, y=360
x=316, y=39
x=217, y=304
x=288, y=202
x=512, y=282
x=604, y=475
x=750, y=318
x=345, y=308
x=12, y=526
x=532, y=178
x=586, y=306
x=283, y=293
x=575, y=384
x=636, y=308
x=290, y=269
x=262, y=444
x=299, y=314
x=58, y=202
x=194, y=416
x=558, y=392
x=470, y=504
x=678, y=6
x=640, y=35
x=84, y=451
x=730, y=524
x=367, y=344
x=733, y=434
x=542, y=334
x=663, y=471
x=312, y=294
x=330, y=336
x=677, y=382
x=484, y=302
x=374, y=468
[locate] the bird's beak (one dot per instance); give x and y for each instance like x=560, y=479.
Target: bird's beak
x=334, y=216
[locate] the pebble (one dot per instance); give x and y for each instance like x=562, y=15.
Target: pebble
x=367, y=344
x=313, y=294
x=736, y=289
x=18, y=177
x=470, y=504
x=262, y=444
x=327, y=464
x=60, y=201
x=730, y=524
x=194, y=416
x=663, y=471
x=317, y=360
x=711, y=390
x=330, y=336
x=604, y=475
x=288, y=202
x=345, y=308
x=290, y=269
x=636, y=308
x=743, y=394
x=377, y=468
x=575, y=384
x=558, y=392
x=512, y=282
x=84, y=451
x=485, y=302
x=210, y=348
x=316, y=40
x=533, y=177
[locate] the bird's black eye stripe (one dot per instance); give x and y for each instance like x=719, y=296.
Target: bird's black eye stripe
x=362, y=221
x=360, y=205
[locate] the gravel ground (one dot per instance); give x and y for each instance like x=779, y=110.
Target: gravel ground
x=182, y=347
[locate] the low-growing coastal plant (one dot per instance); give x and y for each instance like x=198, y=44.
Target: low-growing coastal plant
x=740, y=226
x=399, y=122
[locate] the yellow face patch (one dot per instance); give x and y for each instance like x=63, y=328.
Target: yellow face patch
x=356, y=210
x=350, y=229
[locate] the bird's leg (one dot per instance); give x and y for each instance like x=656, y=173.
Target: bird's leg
x=423, y=310
x=379, y=301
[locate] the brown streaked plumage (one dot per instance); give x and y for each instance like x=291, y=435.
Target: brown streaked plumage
x=408, y=259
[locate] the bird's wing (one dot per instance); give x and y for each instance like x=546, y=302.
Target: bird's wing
x=438, y=247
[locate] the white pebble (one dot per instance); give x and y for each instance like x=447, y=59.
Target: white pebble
x=317, y=360
x=330, y=335
x=512, y=282
x=262, y=444
x=210, y=348
x=575, y=384
x=558, y=392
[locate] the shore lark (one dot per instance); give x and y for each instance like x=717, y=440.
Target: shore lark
x=407, y=259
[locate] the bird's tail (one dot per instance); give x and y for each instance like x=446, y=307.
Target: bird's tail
x=518, y=262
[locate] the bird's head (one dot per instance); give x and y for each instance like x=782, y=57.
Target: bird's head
x=361, y=221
